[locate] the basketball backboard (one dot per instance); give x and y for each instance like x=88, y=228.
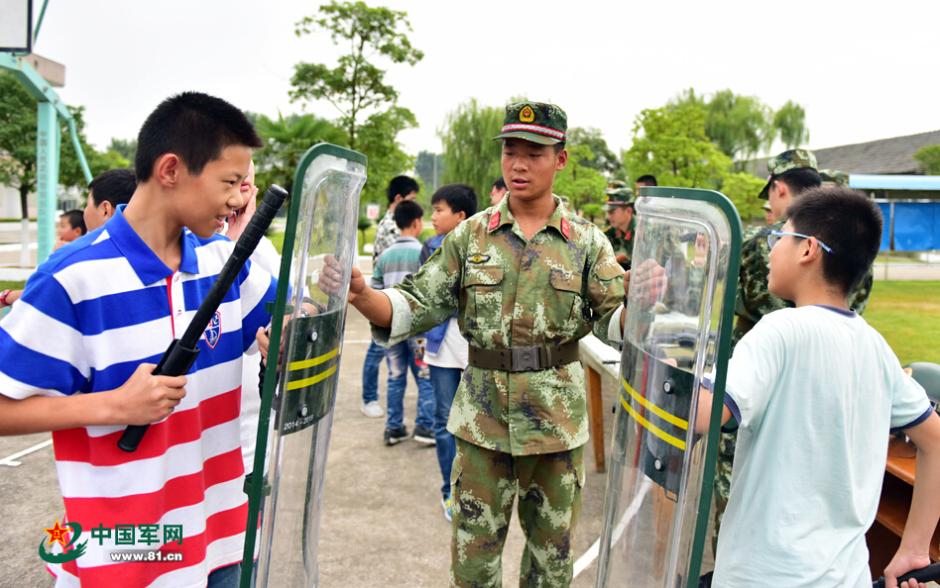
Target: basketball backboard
x=16, y=26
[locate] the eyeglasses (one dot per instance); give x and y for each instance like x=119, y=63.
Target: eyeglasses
x=774, y=236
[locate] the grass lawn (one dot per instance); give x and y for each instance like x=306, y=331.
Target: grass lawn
x=907, y=314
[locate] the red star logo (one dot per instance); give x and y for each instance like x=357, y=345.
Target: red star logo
x=57, y=533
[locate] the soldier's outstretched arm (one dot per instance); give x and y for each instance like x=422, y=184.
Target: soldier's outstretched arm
x=373, y=305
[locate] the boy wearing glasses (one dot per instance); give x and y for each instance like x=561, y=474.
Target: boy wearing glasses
x=814, y=391
x=790, y=174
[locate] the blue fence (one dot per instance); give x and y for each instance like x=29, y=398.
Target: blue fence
x=915, y=225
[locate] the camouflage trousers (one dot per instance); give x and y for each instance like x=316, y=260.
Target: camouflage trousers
x=723, y=467
x=484, y=484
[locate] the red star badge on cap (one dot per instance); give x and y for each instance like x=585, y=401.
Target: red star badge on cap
x=57, y=534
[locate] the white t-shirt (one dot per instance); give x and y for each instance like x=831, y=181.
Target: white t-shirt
x=454, y=350
x=266, y=256
x=815, y=391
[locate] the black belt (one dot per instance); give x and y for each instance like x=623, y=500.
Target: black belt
x=524, y=359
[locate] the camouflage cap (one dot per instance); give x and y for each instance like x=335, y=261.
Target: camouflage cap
x=790, y=159
x=834, y=176
x=538, y=122
x=619, y=195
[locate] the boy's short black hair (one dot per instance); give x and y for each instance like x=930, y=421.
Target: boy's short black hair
x=499, y=183
x=559, y=147
x=401, y=186
x=647, y=180
x=115, y=186
x=845, y=220
x=194, y=126
x=76, y=218
x=800, y=179
x=459, y=198
x=406, y=212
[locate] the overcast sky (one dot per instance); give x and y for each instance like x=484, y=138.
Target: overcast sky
x=863, y=70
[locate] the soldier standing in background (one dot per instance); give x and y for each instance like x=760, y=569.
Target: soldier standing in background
x=528, y=278
x=620, y=216
x=791, y=173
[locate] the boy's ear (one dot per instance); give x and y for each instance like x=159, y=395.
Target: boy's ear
x=106, y=209
x=810, y=251
x=562, y=160
x=463, y=215
x=167, y=169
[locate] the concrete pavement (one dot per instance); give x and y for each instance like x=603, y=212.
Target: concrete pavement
x=382, y=523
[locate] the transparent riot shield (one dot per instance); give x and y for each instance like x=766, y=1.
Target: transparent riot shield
x=300, y=382
x=675, y=337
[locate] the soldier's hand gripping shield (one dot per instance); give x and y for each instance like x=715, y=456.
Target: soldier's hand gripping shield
x=302, y=372
x=676, y=338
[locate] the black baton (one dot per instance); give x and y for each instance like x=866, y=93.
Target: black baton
x=182, y=352
x=930, y=573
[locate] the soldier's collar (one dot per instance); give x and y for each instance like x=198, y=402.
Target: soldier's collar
x=558, y=220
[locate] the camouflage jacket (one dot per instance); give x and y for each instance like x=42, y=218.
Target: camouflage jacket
x=622, y=241
x=385, y=234
x=754, y=300
x=509, y=292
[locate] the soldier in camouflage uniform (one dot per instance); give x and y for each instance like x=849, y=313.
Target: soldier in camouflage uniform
x=620, y=216
x=527, y=278
x=791, y=173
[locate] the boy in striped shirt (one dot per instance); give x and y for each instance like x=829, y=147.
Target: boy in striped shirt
x=79, y=348
x=400, y=259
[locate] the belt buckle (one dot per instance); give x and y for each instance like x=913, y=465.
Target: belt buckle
x=525, y=359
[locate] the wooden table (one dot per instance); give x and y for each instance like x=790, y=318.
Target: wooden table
x=599, y=360
x=884, y=537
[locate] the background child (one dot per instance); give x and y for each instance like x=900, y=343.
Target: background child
x=106, y=192
x=399, y=260
x=400, y=189
x=71, y=226
x=446, y=348
x=78, y=353
x=815, y=391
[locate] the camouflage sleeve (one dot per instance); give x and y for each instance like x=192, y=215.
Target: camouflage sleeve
x=754, y=300
x=605, y=285
x=858, y=297
x=429, y=297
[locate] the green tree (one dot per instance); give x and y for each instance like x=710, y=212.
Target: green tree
x=471, y=156
x=286, y=139
x=378, y=138
x=929, y=158
x=742, y=189
x=127, y=148
x=671, y=143
x=430, y=168
x=790, y=122
x=741, y=126
x=355, y=85
x=580, y=183
x=599, y=156
x=18, y=143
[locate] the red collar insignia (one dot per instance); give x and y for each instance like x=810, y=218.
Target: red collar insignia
x=494, y=221
x=565, y=228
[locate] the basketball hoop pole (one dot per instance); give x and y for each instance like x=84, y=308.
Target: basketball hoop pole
x=48, y=140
